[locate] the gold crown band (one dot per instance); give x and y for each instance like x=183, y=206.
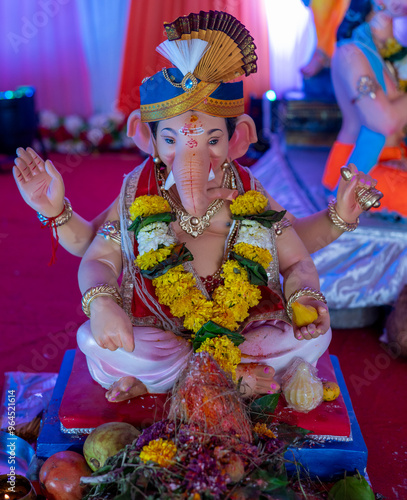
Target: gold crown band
x=177, y=105
x=221, y=108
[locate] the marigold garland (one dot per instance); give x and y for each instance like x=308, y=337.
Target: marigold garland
x=159, y=451
x=249, y=203
x=260, y=255
x=224, y=352
x=177, y=289
x=146, y=205
x=153, y=257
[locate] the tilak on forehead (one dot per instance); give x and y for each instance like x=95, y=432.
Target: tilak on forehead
x=192, y=127
x=208, y=50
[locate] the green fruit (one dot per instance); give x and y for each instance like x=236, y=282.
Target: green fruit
x=106, y=440
x=351, y=488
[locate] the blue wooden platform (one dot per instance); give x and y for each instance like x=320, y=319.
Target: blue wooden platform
x=51, y=439
x=330, y=459
x=325, y=460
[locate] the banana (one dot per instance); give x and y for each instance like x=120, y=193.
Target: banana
x=303, y=315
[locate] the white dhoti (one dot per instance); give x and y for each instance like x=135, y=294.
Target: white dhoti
x=159, y=356
x=157, y=359
x=273, y=343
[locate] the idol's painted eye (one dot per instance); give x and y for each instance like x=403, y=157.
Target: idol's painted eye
x=212, y=142
x=168, y=140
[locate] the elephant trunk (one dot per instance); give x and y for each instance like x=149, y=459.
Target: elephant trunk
x=191, y=178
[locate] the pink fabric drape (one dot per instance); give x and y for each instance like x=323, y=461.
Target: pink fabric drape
x=41, y=46
x=145, y=31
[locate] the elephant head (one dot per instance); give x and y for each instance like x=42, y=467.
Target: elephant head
x=194, y=146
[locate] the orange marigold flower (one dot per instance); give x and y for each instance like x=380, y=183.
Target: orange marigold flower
x=159, y=451
x=263, y=430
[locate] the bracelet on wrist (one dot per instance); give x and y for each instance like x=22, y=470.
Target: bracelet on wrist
x=53, y=223
x=58, y=220
x=303, y=292
x=102, y=290
x=337, y=220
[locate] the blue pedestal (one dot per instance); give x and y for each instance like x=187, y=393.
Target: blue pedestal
x=51, y=439
x=330, y=459
x=325, y=460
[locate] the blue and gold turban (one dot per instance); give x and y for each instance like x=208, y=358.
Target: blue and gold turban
x=209, y=50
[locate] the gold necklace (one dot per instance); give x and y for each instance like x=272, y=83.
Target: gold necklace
x=191, y=224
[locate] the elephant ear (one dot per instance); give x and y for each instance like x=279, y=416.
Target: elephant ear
x=140, y=132
x=244, y=135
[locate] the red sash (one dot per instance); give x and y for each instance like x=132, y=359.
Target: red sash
x=147, y=185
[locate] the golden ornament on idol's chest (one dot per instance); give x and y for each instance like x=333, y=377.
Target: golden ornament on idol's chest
x=191, y=224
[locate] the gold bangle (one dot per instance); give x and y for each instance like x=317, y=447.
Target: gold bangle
x=98, y=291
x=338, y=221
x=60, y=219
x=302, y=292
x=111, y=231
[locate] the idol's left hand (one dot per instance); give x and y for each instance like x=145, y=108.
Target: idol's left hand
x=319, y=326
x=347, y=205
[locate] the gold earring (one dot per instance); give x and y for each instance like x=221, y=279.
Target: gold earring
x=225, y=165
x=157, y=160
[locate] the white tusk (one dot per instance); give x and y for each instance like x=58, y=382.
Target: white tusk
x=211, y=175
x=170, y=181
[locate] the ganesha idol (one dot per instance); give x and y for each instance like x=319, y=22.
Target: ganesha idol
x=197, y=242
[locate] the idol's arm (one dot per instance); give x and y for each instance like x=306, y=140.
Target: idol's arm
x=77, y=234
x=102, y=265
x=381, y=114
x=42, y=188
x=298, y=271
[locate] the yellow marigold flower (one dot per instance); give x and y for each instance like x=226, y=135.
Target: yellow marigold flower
x=200, y=312
x=232, y=271
x=263, y=430
x=169, y=293
x=159, y=451
x=153, y=257
x=250, y=203
x=260, y=255
x=252, y=295
x=240, y=311
x=148, y=205
x=223, y=316
x=224, y=352
x=180, y=306
x=244, y=291
x=228, y=299
x=165, y=295
x=171, y=277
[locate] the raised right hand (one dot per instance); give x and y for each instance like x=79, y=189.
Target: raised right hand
x=40, y=184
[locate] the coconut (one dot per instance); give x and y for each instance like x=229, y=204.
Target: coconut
x=107, y=440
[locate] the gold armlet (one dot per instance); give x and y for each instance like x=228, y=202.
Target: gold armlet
x=98, y=291
x=281, y=225
x=111, y=231
x=338, y=221
x=306, y=291
x=60, y=219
